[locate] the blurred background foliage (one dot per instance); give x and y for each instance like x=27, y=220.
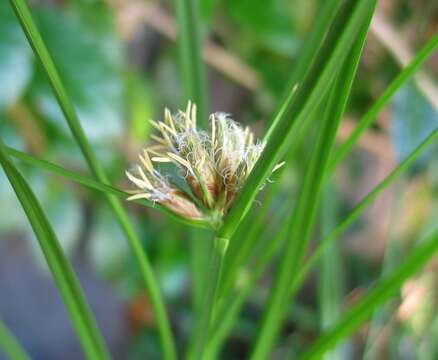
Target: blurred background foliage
x=119, y=62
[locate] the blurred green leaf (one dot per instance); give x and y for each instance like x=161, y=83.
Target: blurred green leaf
x=414, y=118
x=140, y=106
x=381, y=293
x=10, y=345
x=15, y=57
x=267, y=21
x=89, y=58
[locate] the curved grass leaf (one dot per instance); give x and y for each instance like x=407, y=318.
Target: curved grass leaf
x=382, y=292
x=302, y=221
x=61, y=269
x=359, y=208
x=390, y=91
x=232, y=309
x=10, y=345
x=35, y=40
x=239, y=250
x=95, y=185
x=297, y=106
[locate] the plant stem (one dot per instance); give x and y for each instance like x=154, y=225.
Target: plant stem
x=211, y=301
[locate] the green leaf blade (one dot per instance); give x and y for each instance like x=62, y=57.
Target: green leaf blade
x=60, y=267
x=360, y=312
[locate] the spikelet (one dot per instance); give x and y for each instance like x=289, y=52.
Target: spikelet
x=213, y=164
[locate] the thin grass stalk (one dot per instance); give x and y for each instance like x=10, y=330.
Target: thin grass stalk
x=194, y=86
x=62, y=271
x=35, y=40
x=275, y=309
x=382, y=315
x=234, y=302
x=381, y=293
x=302, y=221
x=96, y=185
x=367, y=120
x=10, y=345
x=202, y=330
x=190, y=53
x=313, y=42
x=331, y=275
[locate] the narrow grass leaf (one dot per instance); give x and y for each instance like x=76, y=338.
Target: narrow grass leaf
x=233, y=308
x=239, y=250
x=381, y=293
x=190, y=53
x=298, y=105
x=301, y=223
x=62, y=272
x=194, y=88
x=359, y=209
x=331, y=272
x=35, y=40
x=96, y=185
x=10, y=345
x=368, y=119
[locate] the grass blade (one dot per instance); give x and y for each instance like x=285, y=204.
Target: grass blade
x=62, y=272
x=238, y=300
x=194, y=89
x=371, y=115
x=358, y=210
x=331, y=275
x=192, y=66
x=385, y=289
x=96, y=185
x=311, y=45
x=297, y=106
x=35, y=40
x=10, y=345
x=301, y=224
x=239, y=250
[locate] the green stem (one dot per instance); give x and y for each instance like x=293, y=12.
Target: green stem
x=97, y=185
x=211, y=302
x=189, y=47
x=10, y=345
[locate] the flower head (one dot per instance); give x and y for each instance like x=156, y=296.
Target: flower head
x=212, y=165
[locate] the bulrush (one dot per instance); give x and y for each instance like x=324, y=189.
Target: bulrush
x=212, y=165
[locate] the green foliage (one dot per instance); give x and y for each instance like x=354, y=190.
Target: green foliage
x=10, y=345
x=60, y=267
x=245, y=273
x=15, y=58
x=377, y=296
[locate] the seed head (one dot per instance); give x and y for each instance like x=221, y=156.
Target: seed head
x=212, y=166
